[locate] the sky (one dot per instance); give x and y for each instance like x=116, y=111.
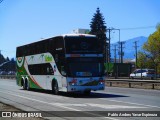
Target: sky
x=27, y=21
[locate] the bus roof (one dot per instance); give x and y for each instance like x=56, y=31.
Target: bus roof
x=78, y=35
x=64, y=35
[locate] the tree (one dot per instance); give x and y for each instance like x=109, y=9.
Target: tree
x=152, y=50
x=2, y=59
x=98, y=28
x=7, y=59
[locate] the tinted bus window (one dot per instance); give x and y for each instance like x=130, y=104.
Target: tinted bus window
x=83, y=45
x=41, y=69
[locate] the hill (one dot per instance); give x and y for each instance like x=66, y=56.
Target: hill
x=129, y=50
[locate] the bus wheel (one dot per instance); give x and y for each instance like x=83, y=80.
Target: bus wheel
x=27, y=85
x=23, y=84
x=55, y=87
x=87, y=92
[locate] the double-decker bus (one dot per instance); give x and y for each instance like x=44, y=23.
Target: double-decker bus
x=68, y=63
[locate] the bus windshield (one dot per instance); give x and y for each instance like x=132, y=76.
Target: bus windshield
x=85, y=68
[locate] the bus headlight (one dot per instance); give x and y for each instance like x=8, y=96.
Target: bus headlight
x=101, y=81
x=73, y=82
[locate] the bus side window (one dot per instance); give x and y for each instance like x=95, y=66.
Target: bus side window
x=47, y=70
x=50, y=70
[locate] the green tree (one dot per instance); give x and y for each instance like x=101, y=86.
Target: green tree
x=2, y=59
x=141, y=60
x=7, y=59
x=151, y=49
x=98, y=28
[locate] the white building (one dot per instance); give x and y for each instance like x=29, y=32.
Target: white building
x=81, y=31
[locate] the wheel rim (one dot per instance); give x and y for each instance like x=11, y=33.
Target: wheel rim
x=55, y=88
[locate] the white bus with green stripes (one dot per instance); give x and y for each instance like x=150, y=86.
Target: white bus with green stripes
x=67, y=63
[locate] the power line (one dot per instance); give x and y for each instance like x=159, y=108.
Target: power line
x=136, y=28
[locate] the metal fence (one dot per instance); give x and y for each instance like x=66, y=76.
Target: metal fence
x=7, y=76
x=130, y=83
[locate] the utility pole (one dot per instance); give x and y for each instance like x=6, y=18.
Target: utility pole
x=121, y=53
x=108, y=51
x=136, y=52
x=108, y=47
x=115, y=55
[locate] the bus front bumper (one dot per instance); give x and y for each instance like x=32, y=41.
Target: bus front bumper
x=85, y=88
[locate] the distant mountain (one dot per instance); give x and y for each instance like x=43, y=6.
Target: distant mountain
x=129, y=50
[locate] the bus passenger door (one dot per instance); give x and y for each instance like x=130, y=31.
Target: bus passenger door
x=49, y=77
x=63, y=79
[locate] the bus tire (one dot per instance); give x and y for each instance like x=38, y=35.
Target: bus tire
x=55, y=89
x=27, y=84
x=23, y=83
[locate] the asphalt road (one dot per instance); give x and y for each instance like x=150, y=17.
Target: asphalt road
x=111, y=100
